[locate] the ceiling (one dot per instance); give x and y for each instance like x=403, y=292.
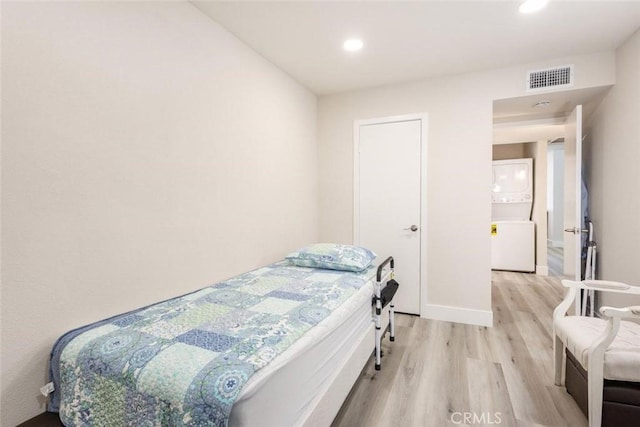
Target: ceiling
x=524, y=108
x=406, y=41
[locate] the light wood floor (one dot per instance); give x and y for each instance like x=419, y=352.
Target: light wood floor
x=436, y=371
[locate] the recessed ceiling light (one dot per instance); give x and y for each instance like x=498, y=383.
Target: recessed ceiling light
x=542, y=104
x=531, y=6
x=352, y=45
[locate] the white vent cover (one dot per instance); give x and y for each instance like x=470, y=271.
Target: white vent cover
x=550, y=78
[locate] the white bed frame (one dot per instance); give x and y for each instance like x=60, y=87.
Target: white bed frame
x=328, y=403
x=308, y=383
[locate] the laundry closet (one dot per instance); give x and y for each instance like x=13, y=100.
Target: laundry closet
x=518, y=208
x=512, y=231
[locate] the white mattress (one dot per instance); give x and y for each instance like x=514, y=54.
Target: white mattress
x=283, y=392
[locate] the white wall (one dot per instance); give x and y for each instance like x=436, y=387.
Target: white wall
x=459, y=171
x=614, y=175
x=146, y=153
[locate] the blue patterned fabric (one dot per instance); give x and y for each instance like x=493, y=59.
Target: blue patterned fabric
x=184, y=361
x=333, y=256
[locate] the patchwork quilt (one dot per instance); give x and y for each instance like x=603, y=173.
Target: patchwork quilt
x=184, y=361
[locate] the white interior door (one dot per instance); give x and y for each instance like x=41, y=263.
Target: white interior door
x=388, y=200
x=573, y=194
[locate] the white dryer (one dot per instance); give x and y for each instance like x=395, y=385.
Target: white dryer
x=512, y=231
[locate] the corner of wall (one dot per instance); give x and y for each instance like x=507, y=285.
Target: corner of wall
x=614, y=150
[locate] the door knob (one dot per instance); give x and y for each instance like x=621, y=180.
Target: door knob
x=412, y=228
x=575, y=230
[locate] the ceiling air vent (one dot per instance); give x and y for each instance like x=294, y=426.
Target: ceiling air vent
x=550, y=78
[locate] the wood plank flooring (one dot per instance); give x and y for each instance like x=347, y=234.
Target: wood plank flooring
x=437, y=372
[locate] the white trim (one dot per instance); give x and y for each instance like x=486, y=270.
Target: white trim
x=424, y=123
x=578, y=195
x=542, y=270
x=447, y=313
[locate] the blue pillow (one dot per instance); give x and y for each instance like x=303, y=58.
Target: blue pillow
x=333, y=256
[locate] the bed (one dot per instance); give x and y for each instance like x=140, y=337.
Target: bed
x=280, y=345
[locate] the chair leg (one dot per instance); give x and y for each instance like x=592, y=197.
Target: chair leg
x=558, y=359
x=595, y=384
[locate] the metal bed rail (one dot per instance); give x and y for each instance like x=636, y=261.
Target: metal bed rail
x=385, y=289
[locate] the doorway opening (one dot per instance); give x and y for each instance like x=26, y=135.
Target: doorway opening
x=555, y=207
x=538, y=127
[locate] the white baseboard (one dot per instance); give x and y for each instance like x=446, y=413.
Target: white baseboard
x=458, y=315
x=542, y=270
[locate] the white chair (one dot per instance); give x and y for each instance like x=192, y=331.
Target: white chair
x=605, y=347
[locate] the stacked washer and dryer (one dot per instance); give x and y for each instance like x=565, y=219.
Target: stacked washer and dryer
x=512, y=231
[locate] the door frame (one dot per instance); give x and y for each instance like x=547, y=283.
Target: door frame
x=424, y=123
x=574, y=191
